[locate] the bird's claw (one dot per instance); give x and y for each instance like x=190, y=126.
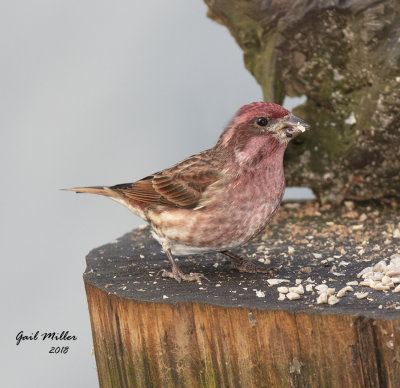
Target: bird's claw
x=179, y=276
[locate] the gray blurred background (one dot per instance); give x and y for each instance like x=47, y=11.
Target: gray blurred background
x=93, y=92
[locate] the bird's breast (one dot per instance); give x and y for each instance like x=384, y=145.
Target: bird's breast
x=234, y=213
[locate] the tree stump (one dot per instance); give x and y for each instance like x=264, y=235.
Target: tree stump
x=344, y=56
x=232, y=331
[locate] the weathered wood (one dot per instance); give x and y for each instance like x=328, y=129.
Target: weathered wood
x=153, y=332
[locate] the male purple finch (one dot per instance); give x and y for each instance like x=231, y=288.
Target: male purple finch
x=220, y=198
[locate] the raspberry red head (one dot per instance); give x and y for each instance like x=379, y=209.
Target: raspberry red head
x=259, y=126
x=268, y=109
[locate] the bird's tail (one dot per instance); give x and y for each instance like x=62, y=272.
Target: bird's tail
x=100, y=190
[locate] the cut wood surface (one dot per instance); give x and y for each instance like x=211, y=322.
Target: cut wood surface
x=232, y=331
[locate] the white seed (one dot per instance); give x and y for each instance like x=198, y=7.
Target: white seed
x=368, y=274
x=392, y=267
x=392, y=273
x=397, y=289
x=395, y=260
x=361, y=295
x=352, y=283
x=377, y=276
x=343, y=291
x=368, y=283
x=317, y=255
x=396, y=279
x=381, y=287
x=300, y=127
x=281, y=297
x=338, y=274
x=363, y=217
x=365, y=270
x=260, y=294
x=344, y=263
x=298, y=290
x=379, y=267
x=293, y=296
x=309, y=287
x=290, y=250
x=323, y=298
x=274, y=282
x=386, y=280
x=333, y=300
x=321, y=287
x=298, y=281
x=396, y=233
x=283, y=290
x=330, y=291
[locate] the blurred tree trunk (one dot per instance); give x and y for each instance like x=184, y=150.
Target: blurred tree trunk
x=344, y=55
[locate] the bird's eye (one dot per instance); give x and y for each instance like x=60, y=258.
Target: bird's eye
x=262, y=121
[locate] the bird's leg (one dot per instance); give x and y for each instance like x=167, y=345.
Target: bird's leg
x=176, y=272
x=246, y=265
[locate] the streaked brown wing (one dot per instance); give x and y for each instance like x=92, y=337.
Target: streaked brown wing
x=181, y=185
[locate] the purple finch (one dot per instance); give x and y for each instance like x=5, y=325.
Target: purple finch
x=220, y=198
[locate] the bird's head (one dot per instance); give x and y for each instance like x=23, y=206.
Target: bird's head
x=260, y=128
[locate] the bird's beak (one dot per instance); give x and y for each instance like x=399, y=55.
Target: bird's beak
x=291, y=126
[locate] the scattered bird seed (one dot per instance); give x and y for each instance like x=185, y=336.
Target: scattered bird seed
x=361, y=295
x=342, y=292
x=297, y=290
x=321, y=287
x=309, y=287
x=274, y=282
x=260, y=294
x=282, y=297
x=330, y=291
x=381, y=287
x=293, y=296
x=283, y=290
x=322, y=298
x=333, y=300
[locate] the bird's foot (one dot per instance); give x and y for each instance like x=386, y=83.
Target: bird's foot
x=245, y=265
x=178, y=275
x=176, y=272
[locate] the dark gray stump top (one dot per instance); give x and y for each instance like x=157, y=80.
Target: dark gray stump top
x=307, y=242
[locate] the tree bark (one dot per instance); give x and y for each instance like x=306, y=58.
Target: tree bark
x=344, y=56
